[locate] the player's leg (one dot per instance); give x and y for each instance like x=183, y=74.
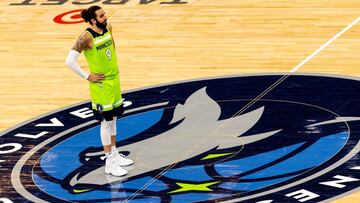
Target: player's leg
x=122, y=161
x=113, y=134
x=111, y=163
x=105, y=135
x=102, y=99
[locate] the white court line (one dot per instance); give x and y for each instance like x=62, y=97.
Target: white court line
x=277, y=83
x=256, y=99
x=325, y=45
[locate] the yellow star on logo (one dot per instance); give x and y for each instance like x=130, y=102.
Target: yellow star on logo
x=213, y=156
x=193, y=187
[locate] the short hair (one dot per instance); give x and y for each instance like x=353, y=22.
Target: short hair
x=88, y=14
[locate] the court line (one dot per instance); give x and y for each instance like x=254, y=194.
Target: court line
x=326, y=44
x=271, y=87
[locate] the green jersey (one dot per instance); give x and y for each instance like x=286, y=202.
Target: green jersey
x=102, y=58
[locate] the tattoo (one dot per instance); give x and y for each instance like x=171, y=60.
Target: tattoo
x=82, y=43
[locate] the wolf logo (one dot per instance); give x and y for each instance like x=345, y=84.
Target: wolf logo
x=201, y=114
x=198, y=112
x=191, y=144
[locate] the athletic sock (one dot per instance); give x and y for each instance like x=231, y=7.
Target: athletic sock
x=107, y=154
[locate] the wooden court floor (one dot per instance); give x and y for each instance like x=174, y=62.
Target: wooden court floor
x=159, y=42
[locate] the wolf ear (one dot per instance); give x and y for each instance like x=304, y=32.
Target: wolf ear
x=179, y=113
x=197, y=106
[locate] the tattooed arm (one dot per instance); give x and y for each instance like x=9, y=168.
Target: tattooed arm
x=83, y=42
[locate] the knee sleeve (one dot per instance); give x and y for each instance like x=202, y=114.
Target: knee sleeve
x=105, y=132
x=113, y=126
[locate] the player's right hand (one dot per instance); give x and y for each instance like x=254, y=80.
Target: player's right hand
x=98, y=77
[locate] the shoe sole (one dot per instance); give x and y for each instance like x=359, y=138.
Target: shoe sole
x=127, y=164
x=109, y=173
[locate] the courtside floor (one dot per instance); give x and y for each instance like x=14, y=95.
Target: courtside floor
x=236, y=101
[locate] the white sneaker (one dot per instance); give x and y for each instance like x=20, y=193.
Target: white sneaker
x=120, y=158
x=113, y=167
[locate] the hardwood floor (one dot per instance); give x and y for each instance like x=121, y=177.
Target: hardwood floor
x=158, y=43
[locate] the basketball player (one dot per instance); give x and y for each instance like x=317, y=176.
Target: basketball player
x=99, y=50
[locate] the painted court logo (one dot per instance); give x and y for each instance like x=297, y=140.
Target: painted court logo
x=197, y=141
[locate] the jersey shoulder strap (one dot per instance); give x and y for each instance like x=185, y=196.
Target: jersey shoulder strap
x=95, y=34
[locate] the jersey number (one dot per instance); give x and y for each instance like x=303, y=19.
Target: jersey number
x=108, y=54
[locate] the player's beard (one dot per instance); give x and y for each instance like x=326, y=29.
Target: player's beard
x=101, y=25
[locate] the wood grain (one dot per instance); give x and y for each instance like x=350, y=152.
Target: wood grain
x=165, y=43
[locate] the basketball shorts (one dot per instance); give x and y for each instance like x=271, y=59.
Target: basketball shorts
x=106, y=98
x=109, y=115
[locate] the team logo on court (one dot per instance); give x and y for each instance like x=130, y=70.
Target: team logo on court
x=70, y=17
x=211, y=140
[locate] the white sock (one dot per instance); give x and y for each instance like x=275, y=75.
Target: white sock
x=113, y=149
x=107, y=154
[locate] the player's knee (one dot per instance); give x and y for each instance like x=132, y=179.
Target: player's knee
x=105, y=132
x=113, y=127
